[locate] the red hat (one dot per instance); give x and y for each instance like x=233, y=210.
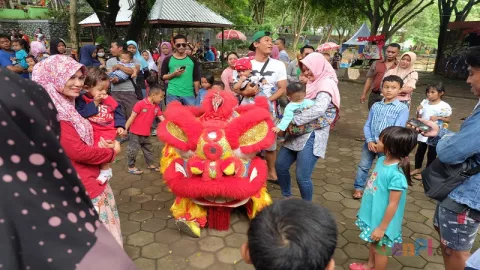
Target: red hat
x=243, y=64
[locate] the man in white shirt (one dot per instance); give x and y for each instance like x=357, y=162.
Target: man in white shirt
x=274, y=86
x=280, y=42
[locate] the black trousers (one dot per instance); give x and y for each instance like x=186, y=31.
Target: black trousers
x=421, y=150
x=373, y=98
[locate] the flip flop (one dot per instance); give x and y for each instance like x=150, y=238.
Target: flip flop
x=357, y=195
x=359, y=266
x=360, y=139
x=135, y=171
x=154, y=169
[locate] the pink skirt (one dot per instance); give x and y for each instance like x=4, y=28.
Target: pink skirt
x=108, y=213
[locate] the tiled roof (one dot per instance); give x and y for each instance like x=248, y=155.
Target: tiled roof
x=173, y=12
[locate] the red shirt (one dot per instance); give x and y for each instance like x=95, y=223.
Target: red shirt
x=376, y=72
x=146, y=113
x=85, y=159
x=103, y=122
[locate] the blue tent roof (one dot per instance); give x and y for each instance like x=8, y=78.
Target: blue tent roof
x=362, y=32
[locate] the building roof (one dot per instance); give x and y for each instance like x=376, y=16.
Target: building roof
x=173, y=13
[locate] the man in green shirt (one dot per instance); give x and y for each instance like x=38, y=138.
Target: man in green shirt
x=182, y=73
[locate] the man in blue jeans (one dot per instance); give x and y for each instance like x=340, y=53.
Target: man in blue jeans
x=182, y=73
x=457, y=217
x=386, y=113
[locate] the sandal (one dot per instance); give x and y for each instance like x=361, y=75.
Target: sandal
x=358, y=194
x=417, y=177
x=360, y=139
x=135, y=171
x=154, y=168
x=359, y=266
x=273, y=182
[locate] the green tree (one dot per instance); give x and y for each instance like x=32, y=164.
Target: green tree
x=422, y=29
x=107, y=14
x=141, y=10
x=236, y=11
x=447, y=8
x=258, y=10
x=302, y=14
x=391, y=15
x=73, y=24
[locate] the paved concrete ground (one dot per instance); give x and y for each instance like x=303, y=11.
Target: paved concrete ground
x=152, y=241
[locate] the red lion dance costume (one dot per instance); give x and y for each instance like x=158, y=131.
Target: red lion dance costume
x=210, y=159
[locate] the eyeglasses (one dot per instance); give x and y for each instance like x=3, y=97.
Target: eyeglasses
x=178, y=45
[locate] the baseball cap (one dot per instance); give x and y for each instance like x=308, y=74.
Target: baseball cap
x=258, y=35
x=243, y=64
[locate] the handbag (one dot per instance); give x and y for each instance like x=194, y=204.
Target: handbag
x=439, y=179
x=318, y=123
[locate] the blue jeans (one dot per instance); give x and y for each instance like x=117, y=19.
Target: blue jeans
x=364, y=166
x=183, y=100
x=305, y=163
x=144, y=93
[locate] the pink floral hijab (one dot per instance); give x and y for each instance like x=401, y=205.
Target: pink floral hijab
x=53, y=73
x=325, y=78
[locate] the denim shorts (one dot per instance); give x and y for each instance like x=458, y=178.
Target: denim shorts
x=457, y=230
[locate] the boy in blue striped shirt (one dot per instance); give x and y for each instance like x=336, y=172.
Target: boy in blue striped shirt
x=388, y=112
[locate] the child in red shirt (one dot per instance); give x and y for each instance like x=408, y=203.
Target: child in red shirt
x=139, y=124
x=102, y=111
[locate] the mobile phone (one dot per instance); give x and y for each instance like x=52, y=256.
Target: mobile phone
x=420, y=125
x=183, y=67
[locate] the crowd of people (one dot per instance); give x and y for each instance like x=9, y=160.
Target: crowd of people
x=101, y=103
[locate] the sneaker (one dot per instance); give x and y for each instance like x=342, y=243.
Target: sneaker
x=154, y=132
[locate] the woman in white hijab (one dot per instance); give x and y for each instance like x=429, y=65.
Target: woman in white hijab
x=151, y=64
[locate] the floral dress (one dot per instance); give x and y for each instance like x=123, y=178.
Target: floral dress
x=385, y=178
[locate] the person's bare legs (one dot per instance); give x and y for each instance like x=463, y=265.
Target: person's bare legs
x=271, y=157
x=453, y=259
x=381, y=258
x=371, y=256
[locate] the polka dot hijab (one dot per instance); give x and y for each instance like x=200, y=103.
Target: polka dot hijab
x=46, y=219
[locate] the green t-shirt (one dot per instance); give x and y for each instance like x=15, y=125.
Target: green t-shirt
x=182, y=85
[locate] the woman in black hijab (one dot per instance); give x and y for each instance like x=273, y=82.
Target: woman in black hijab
x=46, y=219
x=57, y=46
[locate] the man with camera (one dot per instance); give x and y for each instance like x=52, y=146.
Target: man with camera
x=273, y=74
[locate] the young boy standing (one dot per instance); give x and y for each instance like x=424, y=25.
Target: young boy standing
x=388, y=112
x=139, y=124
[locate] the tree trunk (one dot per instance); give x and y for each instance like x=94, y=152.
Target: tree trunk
x=107, y=17
x=73, y=25
x=258, y=11
x=302, y=15
x=445, y=11
x=139, y=18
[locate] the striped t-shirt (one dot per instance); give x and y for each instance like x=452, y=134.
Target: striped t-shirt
x=383, y=115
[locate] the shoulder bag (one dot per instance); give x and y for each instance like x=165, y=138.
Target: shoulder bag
x=439, y=179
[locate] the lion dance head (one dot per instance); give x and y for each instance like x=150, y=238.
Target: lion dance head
x=210, y=159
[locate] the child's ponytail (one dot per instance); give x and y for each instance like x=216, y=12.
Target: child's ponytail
x=405, y=166
x=398, y=142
